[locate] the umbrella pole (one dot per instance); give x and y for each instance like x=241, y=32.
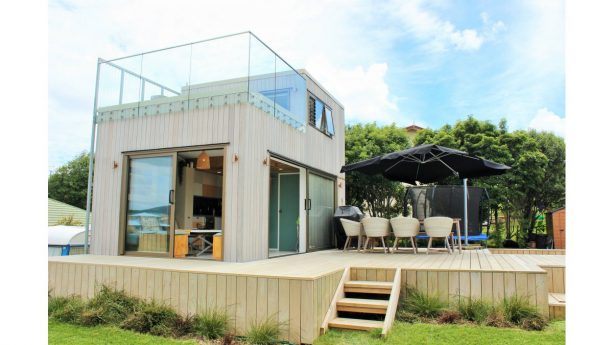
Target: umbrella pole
x=466, y=212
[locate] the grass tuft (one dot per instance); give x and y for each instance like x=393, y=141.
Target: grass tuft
x=264, y=333
x=516, y=309
x=109, y=307
x=475, y=310
x=66, y=309
x=152, y=318
x=420, y=304
x=212, y=325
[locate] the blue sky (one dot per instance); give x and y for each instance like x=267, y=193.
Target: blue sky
x=428, y=63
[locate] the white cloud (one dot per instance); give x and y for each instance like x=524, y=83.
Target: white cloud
x=548, y=121
x=324, y=38
x=363, y=91
x=439, y=34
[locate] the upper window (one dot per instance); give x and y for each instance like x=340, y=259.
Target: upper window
x=320, y=116
x=279, y=96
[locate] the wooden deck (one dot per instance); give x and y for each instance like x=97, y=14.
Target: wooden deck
x=297, y=290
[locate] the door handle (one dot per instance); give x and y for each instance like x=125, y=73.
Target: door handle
x=171, y=196
x=309, y=205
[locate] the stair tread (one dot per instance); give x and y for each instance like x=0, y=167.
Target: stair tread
x=342, y=322
x=371, y=303
x=367, y=284
x=557, y=299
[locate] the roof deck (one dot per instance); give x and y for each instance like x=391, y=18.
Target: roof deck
x=232, y=69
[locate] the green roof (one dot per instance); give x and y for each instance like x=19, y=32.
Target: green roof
x=58, y=210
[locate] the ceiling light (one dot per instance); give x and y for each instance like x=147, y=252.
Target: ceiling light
x=204, y=161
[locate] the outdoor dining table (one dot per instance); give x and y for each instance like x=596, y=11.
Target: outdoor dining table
x=456, y=225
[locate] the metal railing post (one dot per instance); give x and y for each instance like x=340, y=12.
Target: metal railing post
x=90, y=173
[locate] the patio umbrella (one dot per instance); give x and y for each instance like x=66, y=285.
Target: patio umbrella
x=429, y=163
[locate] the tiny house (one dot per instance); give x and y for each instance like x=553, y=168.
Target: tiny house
x=218, y=144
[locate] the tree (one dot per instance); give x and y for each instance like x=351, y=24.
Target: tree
x=536, y=182
x=379, y=195
x=69, y=182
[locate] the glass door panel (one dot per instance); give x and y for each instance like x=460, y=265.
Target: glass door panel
x=320, y=206
x=150, y=206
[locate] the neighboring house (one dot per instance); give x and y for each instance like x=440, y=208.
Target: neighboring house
x=412, y=131
x=216, y=137
x=58, y=210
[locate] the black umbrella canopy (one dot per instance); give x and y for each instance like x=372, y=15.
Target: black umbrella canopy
x=427, y=163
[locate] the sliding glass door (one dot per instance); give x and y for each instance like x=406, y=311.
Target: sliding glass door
x=149, y=216
x=320, y=207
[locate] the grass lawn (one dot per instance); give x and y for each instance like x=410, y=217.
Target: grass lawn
x=67, y=334
x=420, y=333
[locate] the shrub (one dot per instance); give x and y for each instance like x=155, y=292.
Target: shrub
x=66, y=309
x=109, y=307
x=496, y=318
x=449, y=316
x=516, y=309
x=212, y=325
x=421, y=304
x=264, y=333
x=475, y=310
x=534, y=324
x=152, y=318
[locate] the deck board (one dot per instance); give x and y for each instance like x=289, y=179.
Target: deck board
x=318, y=264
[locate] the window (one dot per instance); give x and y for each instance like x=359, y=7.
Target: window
x=320, y=116
x=279, y=96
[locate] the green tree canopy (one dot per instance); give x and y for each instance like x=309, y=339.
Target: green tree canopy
x=378, y=194
x=536, y=182
x=69, y=182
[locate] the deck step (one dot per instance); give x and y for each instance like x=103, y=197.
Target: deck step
x=356, y=324
x=557, y=306
x=360, y=305
x=373, y=287
x=557, y=299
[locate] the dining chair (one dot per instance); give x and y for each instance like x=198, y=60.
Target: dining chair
x=404, y=227
x=438, y=227
x=352, y=229
x=376, y=228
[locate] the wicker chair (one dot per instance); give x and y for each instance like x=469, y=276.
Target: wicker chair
x=438, y=227
x=375, y=227
x=404, y=227
x=352, y=229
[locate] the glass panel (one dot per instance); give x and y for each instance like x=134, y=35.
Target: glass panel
x=165, y=79
x=262, y=76
x=149, y=210
x=219, y=66
x=321, y=195
x=119, y=81
x=329, y=122
x=293, y=108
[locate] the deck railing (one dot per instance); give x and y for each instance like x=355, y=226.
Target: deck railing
x=238, y=66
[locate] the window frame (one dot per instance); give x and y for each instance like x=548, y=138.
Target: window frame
x=326, y=107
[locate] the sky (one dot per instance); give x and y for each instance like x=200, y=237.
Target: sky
x=407, y=62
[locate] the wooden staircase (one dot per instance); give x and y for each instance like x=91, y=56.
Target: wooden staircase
x=369, y=304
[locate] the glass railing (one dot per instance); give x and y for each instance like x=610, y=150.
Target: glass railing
x=232, y=69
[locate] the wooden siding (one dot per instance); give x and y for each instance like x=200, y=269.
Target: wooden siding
x=299, y=305
x=297, y=290
x=249, y=132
